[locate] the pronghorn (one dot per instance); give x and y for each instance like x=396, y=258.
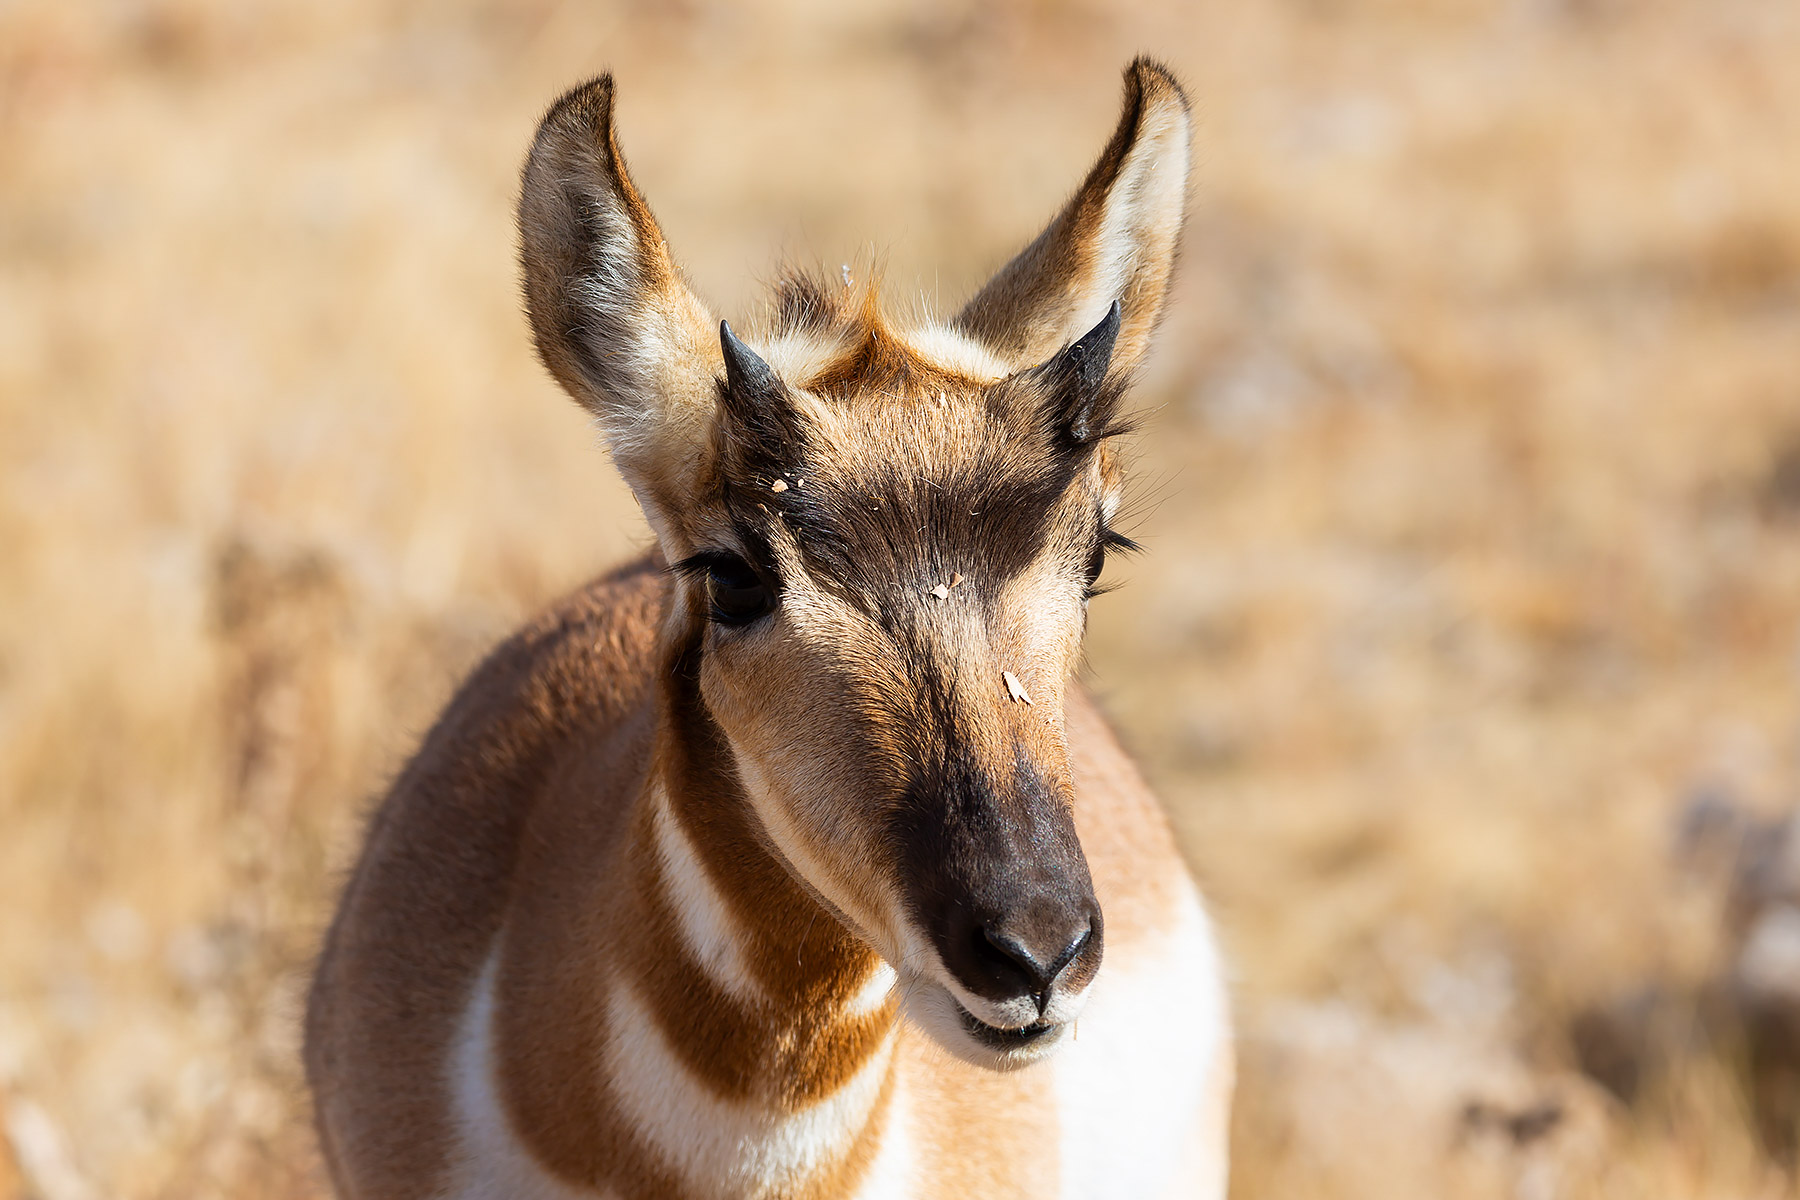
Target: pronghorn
x=781, y=863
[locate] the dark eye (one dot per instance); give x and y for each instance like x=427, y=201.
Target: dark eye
x=738, y=594
x=1096, y=563
x=1107, y=541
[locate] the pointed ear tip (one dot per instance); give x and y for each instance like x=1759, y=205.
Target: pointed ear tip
x=1155, y=81
x=587, y=106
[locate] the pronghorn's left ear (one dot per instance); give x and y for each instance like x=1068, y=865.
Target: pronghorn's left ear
x=612, y=319
x=1114, y=240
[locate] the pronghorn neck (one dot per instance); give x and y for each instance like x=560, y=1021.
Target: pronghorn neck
x=752, y=1036
x=737, y=922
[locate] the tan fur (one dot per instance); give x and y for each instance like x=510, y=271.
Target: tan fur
x=660, y=851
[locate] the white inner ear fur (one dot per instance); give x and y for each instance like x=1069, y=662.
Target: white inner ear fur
x=1147, y=198
x=662, y=399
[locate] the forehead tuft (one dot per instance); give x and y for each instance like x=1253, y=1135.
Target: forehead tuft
x=837, y=341
x=886, y=405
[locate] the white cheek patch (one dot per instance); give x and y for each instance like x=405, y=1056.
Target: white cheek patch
x=707, y=924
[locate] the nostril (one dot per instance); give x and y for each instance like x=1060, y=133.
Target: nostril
x=1040, y=965
x=1016, y=953
x=1072, y=951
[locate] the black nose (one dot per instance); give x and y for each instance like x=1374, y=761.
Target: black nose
x=996, y=877
x=1036, y=951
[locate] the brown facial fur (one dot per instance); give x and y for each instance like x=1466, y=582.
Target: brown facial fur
x=864, y=677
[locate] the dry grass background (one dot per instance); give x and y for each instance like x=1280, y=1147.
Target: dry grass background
x=1472, y=495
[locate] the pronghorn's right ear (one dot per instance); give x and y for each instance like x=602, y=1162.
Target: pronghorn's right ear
x=612, y=319
x=1113, y=242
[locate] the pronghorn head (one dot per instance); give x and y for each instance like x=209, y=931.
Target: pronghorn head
x=885, y=538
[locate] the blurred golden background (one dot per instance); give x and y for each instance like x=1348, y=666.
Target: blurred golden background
x=1464, y=652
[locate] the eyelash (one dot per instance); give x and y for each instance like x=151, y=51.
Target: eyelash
x=1109, y=543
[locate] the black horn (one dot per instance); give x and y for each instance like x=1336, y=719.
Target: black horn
x=1078, y=399
x=757, y=417
x=746, y=374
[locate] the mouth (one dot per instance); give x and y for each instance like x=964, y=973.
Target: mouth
x=996, y=1038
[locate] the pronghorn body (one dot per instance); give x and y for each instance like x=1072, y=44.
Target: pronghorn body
x=781, y=863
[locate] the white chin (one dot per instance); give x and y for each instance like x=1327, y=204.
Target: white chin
x=929, y=1005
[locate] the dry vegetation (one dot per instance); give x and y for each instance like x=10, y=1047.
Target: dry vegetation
x=1472, y=498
